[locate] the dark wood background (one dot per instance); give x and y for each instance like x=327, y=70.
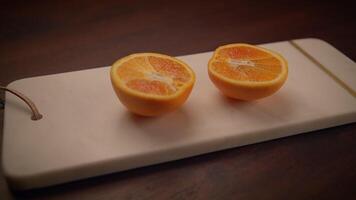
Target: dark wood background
x=46, y=37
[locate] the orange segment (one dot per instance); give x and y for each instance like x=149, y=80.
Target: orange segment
x=241, y=52
x=247, y=72
x=170, y=68
x=153, y=75
x=150, y=83
x=150, y=86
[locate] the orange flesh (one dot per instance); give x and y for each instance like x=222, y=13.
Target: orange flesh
x=246, y=64
x=153, y=75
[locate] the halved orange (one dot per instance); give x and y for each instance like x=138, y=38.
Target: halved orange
x=151, y=84
x=247, y=72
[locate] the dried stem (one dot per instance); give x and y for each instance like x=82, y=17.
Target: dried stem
x=35, y=113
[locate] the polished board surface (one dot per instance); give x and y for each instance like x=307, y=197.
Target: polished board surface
x=86, y=131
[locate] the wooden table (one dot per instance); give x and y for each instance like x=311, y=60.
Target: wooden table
x=59, y=36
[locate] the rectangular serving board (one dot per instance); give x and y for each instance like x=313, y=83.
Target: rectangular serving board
x=86, y=132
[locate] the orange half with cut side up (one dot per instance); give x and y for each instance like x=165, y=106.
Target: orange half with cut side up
x=151, y=84
x=247, y=72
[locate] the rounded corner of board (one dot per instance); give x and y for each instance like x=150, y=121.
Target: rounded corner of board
x=16, y=82
x=15, y=180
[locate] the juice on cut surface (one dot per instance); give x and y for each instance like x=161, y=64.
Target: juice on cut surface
x=151, y=84
x=247, y=72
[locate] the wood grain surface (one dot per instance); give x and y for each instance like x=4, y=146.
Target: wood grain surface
x=46, y=37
